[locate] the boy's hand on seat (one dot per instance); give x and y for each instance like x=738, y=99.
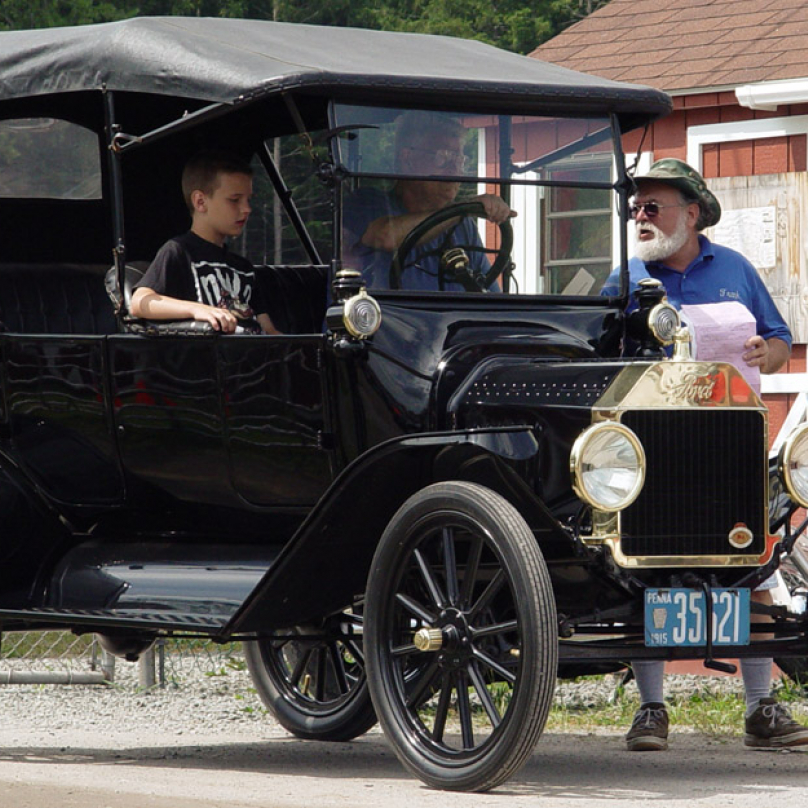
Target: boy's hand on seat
x=220, y=319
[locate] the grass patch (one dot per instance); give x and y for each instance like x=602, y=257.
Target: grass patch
x=713, y=715
x=696, y=704
x=44, y=644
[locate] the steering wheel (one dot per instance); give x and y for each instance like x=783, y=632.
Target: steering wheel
x=472, y=282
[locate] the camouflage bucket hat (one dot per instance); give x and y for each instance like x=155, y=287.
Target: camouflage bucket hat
x=681, y=176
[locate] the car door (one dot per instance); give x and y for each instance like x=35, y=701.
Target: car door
x=222, y=419
x=275, y=418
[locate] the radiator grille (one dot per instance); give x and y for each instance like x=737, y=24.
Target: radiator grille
x=707, y=471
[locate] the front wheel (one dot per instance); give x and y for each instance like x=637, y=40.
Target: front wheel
x=460, y=637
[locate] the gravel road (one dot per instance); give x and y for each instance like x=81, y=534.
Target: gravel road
x=209, y=744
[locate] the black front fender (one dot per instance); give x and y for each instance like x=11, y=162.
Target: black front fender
x=325, y=565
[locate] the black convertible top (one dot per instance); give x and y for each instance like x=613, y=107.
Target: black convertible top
x=229, y=60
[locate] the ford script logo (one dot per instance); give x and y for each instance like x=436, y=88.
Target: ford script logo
x=692, y=387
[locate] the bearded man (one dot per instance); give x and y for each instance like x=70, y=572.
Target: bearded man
x=670, y=209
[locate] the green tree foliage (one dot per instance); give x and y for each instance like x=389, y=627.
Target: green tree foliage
x=516, y=25
x=510, y=24
x=18, y=14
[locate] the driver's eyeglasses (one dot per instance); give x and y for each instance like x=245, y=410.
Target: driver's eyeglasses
x=444, y=158
x=651, y=209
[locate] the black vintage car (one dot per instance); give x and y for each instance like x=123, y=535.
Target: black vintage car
x=439, y=489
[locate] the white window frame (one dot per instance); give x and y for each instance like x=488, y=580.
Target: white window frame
x=526, y=199
x=736, y=131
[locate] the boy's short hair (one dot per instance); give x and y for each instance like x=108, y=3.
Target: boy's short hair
x=202, y=172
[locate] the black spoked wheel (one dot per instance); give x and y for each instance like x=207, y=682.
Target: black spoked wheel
x=312, y=679
x=460, y=637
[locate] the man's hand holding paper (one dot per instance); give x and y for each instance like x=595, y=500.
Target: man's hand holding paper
x=757, y=351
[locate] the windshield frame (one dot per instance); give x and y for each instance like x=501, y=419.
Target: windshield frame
x=509, y=175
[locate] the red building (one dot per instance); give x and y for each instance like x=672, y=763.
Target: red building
x=737, y=72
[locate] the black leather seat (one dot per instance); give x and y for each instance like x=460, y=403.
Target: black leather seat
x=55, y=299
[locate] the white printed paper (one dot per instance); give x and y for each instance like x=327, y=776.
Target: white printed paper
x=750, y=231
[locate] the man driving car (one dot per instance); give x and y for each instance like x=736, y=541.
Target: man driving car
x=376, y=222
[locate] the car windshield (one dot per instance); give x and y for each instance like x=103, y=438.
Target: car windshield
x=557, y=174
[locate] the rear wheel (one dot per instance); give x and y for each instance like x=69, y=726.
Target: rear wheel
x=461, y=637
x=312, y=679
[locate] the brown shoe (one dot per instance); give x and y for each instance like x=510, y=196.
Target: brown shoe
x=649, y=729
x=771, y=725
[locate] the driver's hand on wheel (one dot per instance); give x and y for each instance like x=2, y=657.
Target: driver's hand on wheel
x=496, y=209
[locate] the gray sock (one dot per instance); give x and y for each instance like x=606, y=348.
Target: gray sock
x=649, y=675
x=757, y=681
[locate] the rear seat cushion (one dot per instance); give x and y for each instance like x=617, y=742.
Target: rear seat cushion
x=55, y=299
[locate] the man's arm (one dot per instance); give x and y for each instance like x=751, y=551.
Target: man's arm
x=387, y=232
x=150, y=305
x=768, y=353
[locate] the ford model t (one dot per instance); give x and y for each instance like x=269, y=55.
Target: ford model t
x=459, y=472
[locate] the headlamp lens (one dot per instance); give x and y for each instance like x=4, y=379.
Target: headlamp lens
x=608, y=466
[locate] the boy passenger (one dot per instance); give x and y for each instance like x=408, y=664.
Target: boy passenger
x=195, y=276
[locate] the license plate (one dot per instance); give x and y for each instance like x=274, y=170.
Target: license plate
x=676, y=617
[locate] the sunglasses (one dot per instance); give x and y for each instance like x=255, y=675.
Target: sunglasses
x=651, y=209
x=444, y=158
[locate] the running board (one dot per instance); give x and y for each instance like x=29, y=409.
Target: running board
x=98, y=619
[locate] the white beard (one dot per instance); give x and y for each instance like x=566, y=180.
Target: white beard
x=661, y=246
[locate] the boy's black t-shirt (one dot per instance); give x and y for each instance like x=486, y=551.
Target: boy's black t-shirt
x=190, y=268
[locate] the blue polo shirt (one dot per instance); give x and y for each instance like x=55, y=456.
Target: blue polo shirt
x=717, y=275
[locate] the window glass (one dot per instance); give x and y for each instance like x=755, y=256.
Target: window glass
x=270, y=237
x=44, y=158
x=578, y=227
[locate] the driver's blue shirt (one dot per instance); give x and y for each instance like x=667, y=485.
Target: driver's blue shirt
x=717, y=275
x=421, y=271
